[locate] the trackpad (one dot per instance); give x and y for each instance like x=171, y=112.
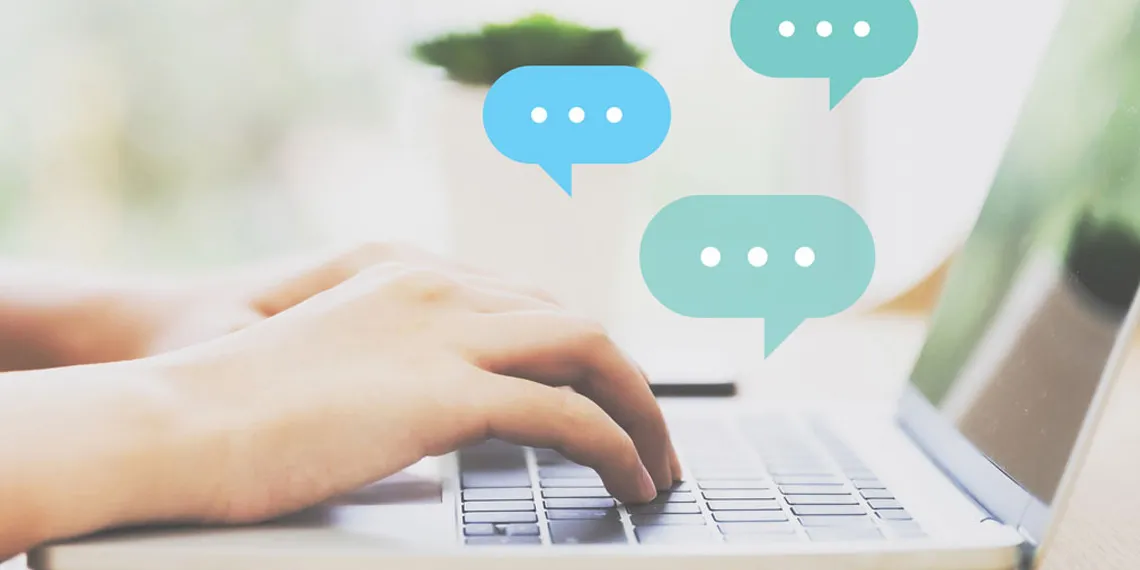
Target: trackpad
x=402, y=488
x=407, y=507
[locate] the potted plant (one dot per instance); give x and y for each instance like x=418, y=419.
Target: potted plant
x=480, y=58
x=510, y=217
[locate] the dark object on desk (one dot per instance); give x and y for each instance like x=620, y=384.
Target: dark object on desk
x=693, y=387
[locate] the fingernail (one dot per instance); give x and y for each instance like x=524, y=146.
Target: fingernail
x=648, y=487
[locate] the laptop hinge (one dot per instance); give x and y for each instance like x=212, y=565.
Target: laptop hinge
x=1028, y=548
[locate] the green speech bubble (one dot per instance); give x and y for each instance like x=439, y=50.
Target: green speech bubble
x=781, y=258
x=843, y=40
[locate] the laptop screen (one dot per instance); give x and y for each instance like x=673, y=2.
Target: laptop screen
x=1035, y=301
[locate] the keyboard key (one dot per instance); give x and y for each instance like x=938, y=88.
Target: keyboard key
x=768, y=505
x=735, y=484
x=484, y=529
x=675, y=535
x=494, y=479
x=773, y=527
x=862, y=484
x=758, y=538
x=517, y=529
x=570, y=483
x=607, y=531
x=885, y=504
x=807, y=480
x=497, y=495
x=791, y=470
x=502, y=540
x=843, y=534
x=567, y=472
x=730, y=494
x=814, y=490
x=550, y=457
x=894, y=515
x=852, y=521
x=877, y=494
x=493, y=464
x=493, y=448
x=664, y=509
x=713, y=474
x=577, y=493
x=580, y=503
x=821, y=500
x=581, y=514
x=654, y=520
x=511, y=517
x=674, y=497
x=828, y=510
x=500, y=506
x=749, y=516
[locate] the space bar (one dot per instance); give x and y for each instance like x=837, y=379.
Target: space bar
x=606, y=531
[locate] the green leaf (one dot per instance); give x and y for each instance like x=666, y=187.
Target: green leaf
x=481, y=58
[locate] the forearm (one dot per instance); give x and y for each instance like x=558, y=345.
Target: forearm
x=51, y=317
x=87, y=448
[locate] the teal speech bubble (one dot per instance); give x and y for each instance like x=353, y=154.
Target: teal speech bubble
x=781, y=258
x=843, y=40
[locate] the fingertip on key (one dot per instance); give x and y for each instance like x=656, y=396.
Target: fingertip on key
x=648, y=486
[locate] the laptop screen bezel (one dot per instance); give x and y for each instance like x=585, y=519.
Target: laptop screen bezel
x=984, y=481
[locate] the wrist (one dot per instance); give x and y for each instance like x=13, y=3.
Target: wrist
x=126, y=448
x=176, y=469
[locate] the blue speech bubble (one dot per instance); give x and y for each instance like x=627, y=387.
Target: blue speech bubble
x=558, y=116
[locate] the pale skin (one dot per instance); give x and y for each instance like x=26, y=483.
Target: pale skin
x=245, y=398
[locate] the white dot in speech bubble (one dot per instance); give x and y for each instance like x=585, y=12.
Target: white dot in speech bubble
x=758, y=257
x=538, y=115
x=862, y=29
x=805, y=256
x=614, y=114
x=787, y=29
x=577, y=115
x=823, y=29
x=710, y=256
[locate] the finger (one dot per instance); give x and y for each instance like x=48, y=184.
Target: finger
x=473, y=294
x=541, y=299
x=293, y=287
x=496, y=301
x=527, y=413
x=558, y=349
x=674, y=460
x=303, y=284
x=287, y=289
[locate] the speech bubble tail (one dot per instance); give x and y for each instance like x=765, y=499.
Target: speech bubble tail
x=562, y=174
x=776, y=331
x=840, y=88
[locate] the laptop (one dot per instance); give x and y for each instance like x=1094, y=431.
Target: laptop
x=970, y=471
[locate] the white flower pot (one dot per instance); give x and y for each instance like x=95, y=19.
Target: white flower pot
x=512, y=219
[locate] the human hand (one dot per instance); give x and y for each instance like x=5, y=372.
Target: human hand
x=173, y=317
x=400, y=362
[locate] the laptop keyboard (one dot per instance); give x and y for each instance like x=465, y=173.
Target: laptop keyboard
x=773, y=480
